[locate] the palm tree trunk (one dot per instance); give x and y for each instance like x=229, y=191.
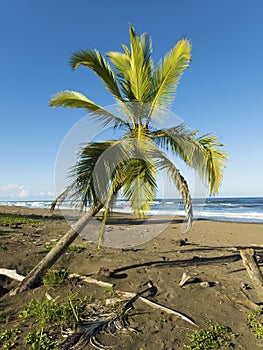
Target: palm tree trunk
x=35, y=275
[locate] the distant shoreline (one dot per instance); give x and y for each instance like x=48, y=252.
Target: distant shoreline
x=45, y=212
x=140, y=231
x=239, y=209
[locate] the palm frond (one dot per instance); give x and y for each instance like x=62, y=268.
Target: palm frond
x=200, y=153
x=215, y=161
x=73, y=99
x=162, y=162
x=89, y=332
x=127, y=164
x=139, y=185
x=121, y=62
x=106, y=166
x=88, y=187
x=181, y=185
x=146, y=45
x=167, y=75
x=134, y=67
x=180, y=140
x=94, y=60
x=122, y=67
x=110, y=324
x=82, y=191
x=62, y=196
x=140, y=67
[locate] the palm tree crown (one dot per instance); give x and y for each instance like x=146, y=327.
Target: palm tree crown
x=129, y=163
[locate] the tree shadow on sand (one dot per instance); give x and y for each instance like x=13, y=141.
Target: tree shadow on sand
x=194, y=261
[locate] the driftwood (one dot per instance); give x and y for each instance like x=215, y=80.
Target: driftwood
x=250, y=262
x=247, y=302
x=14, y=275
x=131, y=295
x=11, y=274
x=167, y=310
x=185, y=278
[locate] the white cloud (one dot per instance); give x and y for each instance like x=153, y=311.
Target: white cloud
x=48, y=194
x=13, y=191
x=8, y=187
x=24, y=193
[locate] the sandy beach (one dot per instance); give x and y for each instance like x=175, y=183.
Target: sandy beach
x=155, y=250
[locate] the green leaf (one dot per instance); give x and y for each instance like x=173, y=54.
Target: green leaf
x=73, y=99
x=94, y=60
x=201, y=153
x=167, y=75
x=140, y=185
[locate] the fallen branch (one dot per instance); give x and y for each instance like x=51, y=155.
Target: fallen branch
x=185, y=278
x=247, y=302
x=91, y=328
x=250, y=262
x=167, y=310
x=12, y=274
x=131, y=295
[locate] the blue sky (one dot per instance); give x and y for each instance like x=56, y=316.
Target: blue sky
x=221, y=92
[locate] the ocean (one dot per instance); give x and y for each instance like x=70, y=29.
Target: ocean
x=224, y=209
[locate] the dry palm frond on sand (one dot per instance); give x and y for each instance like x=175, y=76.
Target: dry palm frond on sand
x=108, y=323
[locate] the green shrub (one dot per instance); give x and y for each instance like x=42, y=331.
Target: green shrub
x=18, y=220
x=39, y=340
x=50, y=313
x=4, y=235
x=8, y=338
x=49, y=245
x=54, y=277
x=255, y=322
x=78, y=248
x=213, y=338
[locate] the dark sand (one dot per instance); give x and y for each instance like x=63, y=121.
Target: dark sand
x=211, y=254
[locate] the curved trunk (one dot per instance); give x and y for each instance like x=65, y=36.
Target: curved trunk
x=34, y=277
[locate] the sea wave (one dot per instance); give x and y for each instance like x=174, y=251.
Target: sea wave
x=227, y=209
x=233, y=216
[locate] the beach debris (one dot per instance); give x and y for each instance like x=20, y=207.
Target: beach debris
x=259, y=258
x=132, y=295
x=256, y=245
x=168, y=311
x=205, y=284
x=185, y=278
x=247, y=302
x=11, y=274
x=88, y=279
x=48, y=296
x=180, y=242
x=250, y=262
x=112, y=301
x=103, y=272
x=17, y=225
x=132, y=249
x=110, y=324
x=165, y=258
x=90, y=329
x=245, y=286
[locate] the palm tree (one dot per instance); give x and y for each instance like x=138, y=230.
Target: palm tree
x=130, y=162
